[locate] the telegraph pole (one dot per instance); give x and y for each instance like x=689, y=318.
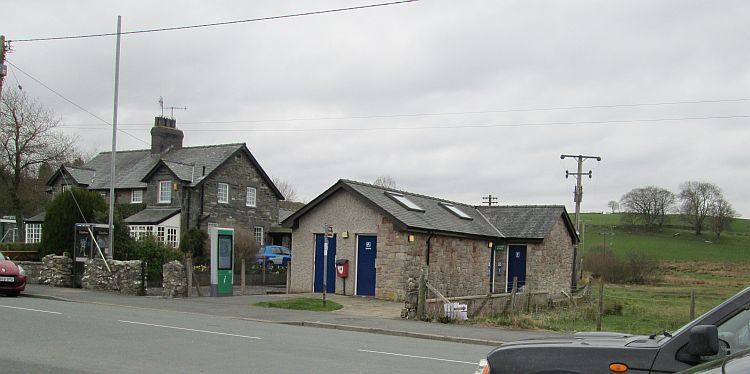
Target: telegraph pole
x=489, y=200
x=114, y=145
x=577, y=197
x=578, y=194
x=3, y=68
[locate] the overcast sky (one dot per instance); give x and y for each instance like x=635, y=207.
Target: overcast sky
x=460, y=99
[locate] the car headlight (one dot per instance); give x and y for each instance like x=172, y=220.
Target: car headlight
x=21, y=271
x=483, y=367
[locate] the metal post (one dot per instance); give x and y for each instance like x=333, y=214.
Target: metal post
x=189, y=273
x=242, y=276
x=601, y=305
x=114, y=144
x=325, y=266
x=143, y=278
x=692, y=305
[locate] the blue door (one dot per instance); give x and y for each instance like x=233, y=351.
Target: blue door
x=367, y=250
x=516, y=265
x=331, y=275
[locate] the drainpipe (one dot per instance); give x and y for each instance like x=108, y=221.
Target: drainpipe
x=200, y=217
x=425, y=271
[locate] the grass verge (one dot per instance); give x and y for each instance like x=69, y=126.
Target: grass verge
x=302, y=303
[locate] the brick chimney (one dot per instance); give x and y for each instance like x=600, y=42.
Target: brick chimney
x=165, y=135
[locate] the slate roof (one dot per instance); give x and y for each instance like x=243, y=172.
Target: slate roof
x=133, y=168
x=152, y=216
x=36, y=219
x=81, y=175
x=511, y=222
x=526, y=221
x=434, y=217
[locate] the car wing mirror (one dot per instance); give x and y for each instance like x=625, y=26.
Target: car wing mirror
x=704, y=340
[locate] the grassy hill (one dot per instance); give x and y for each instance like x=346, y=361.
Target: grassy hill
x=674, y=243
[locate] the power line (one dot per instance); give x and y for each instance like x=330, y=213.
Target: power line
x=74, y=104
x=376, y=116
x=318, y=12
x=528, y=124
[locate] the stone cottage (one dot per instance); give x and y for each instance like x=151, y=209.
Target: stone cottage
x=176, y=188
x=386, y=235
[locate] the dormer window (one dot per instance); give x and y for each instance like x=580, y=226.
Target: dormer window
x=404, y=201
x=455, y=210
x=165, y=192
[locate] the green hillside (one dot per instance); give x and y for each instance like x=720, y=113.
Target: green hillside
x=674, y=243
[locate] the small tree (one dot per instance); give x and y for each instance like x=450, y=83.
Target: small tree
x=386, y=181
x=722, y=215
x=245, y=246
x=648, y=205
x=613, y=205
x=286, y=189
x=62, y=214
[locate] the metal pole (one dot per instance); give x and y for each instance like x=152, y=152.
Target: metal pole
x=601, y=305
x=325, y=265
x=579, y=193
x=114, y=145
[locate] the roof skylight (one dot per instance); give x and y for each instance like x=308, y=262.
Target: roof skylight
x=454, y=209
x=403, y=200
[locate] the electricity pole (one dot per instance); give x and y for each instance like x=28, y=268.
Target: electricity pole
x=489, y=200
x=114, y=145
x=3, y=68
x=578, y=194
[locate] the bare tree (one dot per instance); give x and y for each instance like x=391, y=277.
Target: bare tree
x=614, y=205
x=722, y=215
x=649, y=205
x=697, y=199
x=286, y=188
x=28, y=139
x=385, y=181
x=245, y=246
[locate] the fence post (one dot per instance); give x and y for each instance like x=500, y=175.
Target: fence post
x=189, y=274
x=692, y=305
x=143, y=279
x=263, y=272
x=242, y=277
x=601, y=305
x=513, y=295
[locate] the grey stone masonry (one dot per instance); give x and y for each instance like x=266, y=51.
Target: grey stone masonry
x=33, y=270
x=57, y=271
x=122, y=276
x=175, y=280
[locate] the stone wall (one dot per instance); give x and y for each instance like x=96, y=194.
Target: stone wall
x=458, y=266
x=57, y=271
x=33, y=270
x=125, y=277
x=549, y=264
x=175, y=280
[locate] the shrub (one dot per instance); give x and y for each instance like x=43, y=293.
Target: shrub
x=635, y=268
x=193, y=242
x=31, y=249
x=155, y=254
x=63, y=213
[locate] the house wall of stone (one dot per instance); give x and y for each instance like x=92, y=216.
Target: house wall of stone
x=458, y=266
x=151, y=194
x=59, y=182
x=549, y=264
x=344, y=212
x=239, y=173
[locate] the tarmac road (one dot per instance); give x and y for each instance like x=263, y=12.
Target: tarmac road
x=40, y=336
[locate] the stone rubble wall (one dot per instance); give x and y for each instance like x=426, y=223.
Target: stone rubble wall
x=174, y=279
x=125, y=277
x=33, y=270
x=57, y=271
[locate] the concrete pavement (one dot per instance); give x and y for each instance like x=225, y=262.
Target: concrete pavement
x=359, y=314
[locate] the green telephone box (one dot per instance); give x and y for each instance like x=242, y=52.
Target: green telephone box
x=222, y=261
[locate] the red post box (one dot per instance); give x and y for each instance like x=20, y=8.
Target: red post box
x=342, y=268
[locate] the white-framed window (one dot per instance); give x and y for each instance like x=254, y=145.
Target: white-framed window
x=171, y=237
x=168, y=235
x=165, y=192
x=136, y=196
x=65, y=187
x=223, y=193
x=251, y=201
x=33, y=232
x=160, y=233
x=258, y=234
x=139, y=232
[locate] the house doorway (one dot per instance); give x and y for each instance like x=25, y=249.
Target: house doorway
x=367, y=251
x=331, y=270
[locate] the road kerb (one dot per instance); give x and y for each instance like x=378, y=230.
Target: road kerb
x=418, y=335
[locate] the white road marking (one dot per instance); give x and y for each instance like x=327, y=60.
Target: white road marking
x=29, y=309
x=186, y=329
x=422, y=357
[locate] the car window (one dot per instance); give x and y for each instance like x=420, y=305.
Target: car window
x=276, y=250
x=736, y=331
x=2, y=257
x=286, y=251
x=737, y=365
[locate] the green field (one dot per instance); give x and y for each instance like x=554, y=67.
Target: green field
x=713, y=269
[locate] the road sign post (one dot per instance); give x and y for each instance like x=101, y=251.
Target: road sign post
x=329, y=234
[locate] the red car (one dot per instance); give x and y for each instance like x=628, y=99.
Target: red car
x=12, y=277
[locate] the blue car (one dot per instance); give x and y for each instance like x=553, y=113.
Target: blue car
x=274, y=255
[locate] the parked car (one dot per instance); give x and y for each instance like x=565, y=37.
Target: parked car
x=719, y=332
x=12, y=277
x=274, y=255
x=736, y=363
